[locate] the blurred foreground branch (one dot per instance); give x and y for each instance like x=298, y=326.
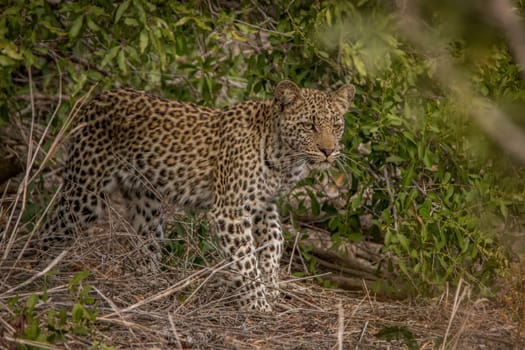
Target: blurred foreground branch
x=504, y=14
x=489, y=117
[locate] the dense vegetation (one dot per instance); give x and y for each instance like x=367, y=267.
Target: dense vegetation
x=440, y=193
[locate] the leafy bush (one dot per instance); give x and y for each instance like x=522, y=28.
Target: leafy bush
x=59, y=322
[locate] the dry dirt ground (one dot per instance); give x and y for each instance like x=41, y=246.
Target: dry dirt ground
x=139, y=308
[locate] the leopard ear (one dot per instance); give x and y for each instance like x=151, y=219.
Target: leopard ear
x=287, y=93
x=343, y=97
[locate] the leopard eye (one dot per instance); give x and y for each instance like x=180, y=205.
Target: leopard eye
x=308, y=126
x=339, y=125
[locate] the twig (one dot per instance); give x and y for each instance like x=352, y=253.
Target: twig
x=342, y=263
x=22, y=188
x=260, y=28
x=40, y=274
x=175, y=333
x=49, y=291
x=35, y=228
x=31, y=343
x=305, y=278
x=40, y=96
x=60, y=136
x=455, y=307
x=368, y=294
x=392, y=199
x=318, y=308
x=46, y=130
x=122, y=322
x=361, y=335
x=297, y=234
x=296, y=247
x=341, y=325
x=115, y=309
x=180, y=285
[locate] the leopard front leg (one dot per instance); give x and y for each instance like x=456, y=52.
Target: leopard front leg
x=235, y=236
x=268, y=233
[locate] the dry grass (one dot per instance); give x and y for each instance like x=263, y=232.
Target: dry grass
x=176, y=309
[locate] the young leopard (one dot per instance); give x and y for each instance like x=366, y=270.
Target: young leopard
x=232, y=162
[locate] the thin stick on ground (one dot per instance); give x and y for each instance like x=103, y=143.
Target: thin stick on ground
x=174, y=330
x=32, y=233
x=36, y=344
x=22, y=189
x=49, y=123
x=295, y=246
x=367, y=293
x=455, y=307
x=40, y=274
x=176, y=287
x=306, y=278
x=314, y=306
x=362, y=335
x=341, y=326
x=115, y=308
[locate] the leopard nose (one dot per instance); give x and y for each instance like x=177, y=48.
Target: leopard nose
x=326, y=150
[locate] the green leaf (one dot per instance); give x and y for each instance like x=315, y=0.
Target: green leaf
x=121, y=60
x=92, y=25
x=133, y=54
x=78, y=313
x=121, y=9
x=9, y=49
x=32, y=301
x=80, y=330
x=76, y=26
x=143, y=40
x=504, y=210
x=238, y=37
x=403, y=240
x=394, y=159
x=201, y=24
x=131, y=22
x=62, y=317
x=112, y=53
x=401, y=264
x=32, y=331
x=316, y=208
x=79, y=277
x=52, y=29
x=6, y=61
x=140, y=10
x=328, y=15
x=182, y=21
x=359, y=65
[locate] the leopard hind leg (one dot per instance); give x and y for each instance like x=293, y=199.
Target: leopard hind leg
x=77, y=206
x=144, y=212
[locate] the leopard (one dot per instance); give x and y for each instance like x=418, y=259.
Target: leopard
x=232, y=163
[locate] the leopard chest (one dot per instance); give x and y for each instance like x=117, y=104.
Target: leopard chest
x=276, y=182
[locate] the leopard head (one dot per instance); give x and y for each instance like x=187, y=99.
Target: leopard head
x=311, y=122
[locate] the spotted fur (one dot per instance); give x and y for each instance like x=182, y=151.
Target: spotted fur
x=231, y=162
